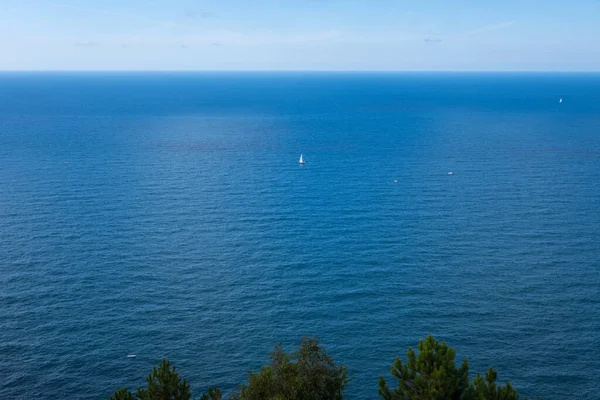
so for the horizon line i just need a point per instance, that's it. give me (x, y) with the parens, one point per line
(293, 70)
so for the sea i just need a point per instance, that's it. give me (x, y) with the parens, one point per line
(166, 215)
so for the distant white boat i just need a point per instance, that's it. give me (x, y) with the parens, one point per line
(301, 160)
(450, 173)
(130, 355)
(560, 101)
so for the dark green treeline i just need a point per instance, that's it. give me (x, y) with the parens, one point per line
(310, 374)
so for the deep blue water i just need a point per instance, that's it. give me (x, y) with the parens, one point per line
(166, 215)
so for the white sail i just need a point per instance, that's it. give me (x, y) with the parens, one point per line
(301, 160)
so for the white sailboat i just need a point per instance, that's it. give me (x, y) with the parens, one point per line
(301, 160)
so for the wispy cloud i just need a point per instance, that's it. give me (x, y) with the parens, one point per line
(202, 14)
(226, 37)
(492, 27)
(87, 43)
(184, 20)
(90, 10)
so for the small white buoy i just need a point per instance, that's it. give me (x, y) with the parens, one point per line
(130, 355)
(395, 180)
(450, 173)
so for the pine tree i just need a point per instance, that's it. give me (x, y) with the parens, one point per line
(306, 374)
(430, 375)
(486, 389)
(214, 393)
(164, 383)
(122, 394)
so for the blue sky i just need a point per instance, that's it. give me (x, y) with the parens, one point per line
(300, 35)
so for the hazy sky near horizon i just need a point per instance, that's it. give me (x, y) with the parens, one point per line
(510, 35)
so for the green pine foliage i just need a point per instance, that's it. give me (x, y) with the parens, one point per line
(430, 375)
(306, 374)
(164, 383)
(310, 374)
(214, 393)
(486, 388)
(122, 394)
(433, 375)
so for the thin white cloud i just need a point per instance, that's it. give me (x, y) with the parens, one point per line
(226, 37)
(87, 43)
(202, 14)
(131, 16)
(492, 27)
(91, 10)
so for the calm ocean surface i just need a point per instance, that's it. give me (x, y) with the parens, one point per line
(166, 215)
